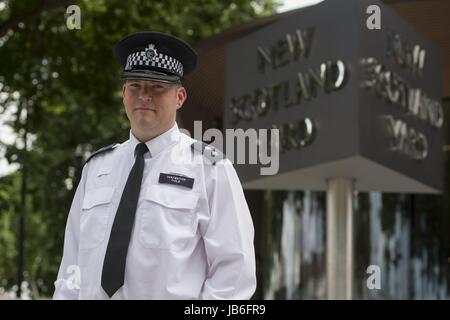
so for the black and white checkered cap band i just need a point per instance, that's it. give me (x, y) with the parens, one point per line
(160, 60)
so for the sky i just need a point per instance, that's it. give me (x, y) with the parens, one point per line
(7, 136)
(294, 4)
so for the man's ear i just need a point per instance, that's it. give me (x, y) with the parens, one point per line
(181, 96)
(123, 89)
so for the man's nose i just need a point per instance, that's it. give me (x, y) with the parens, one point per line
(145, 94)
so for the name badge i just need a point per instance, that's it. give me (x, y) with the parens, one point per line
(176, 179)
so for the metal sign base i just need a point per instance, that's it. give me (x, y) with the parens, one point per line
(340, 238)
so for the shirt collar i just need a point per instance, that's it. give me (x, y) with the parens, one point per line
(159, 143)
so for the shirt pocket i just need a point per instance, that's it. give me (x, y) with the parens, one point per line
(95, 212)
(168, 217)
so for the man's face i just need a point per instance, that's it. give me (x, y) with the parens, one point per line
(151, 105)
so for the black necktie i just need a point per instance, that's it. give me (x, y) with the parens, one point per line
(113, 273)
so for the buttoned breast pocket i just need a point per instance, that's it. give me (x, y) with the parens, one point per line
(168, 217)
(95, 212)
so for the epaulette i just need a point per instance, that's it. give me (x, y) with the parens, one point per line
(208, 151)
(112, 146)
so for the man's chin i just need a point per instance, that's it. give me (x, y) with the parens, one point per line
(147, 125)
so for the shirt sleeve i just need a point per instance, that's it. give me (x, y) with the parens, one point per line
(228, 238)
(67, 285)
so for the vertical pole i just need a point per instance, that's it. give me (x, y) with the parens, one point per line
(21, 236)
(340, 238)
(22, 213)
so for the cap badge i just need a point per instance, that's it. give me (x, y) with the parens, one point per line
(150, 52)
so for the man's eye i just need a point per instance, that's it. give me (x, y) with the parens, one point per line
(135, 85)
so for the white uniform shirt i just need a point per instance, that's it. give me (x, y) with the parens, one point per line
(186, 243)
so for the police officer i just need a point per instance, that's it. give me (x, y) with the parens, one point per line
(160, 216)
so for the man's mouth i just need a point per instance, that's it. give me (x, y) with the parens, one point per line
(144, 109)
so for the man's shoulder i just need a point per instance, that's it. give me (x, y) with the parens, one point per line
(208, 151)
(103, 151)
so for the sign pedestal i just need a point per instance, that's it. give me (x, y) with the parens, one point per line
(340, 238)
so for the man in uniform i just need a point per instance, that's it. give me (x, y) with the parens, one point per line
(160, 216)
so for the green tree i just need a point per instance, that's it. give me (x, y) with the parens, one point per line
(64, 90)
